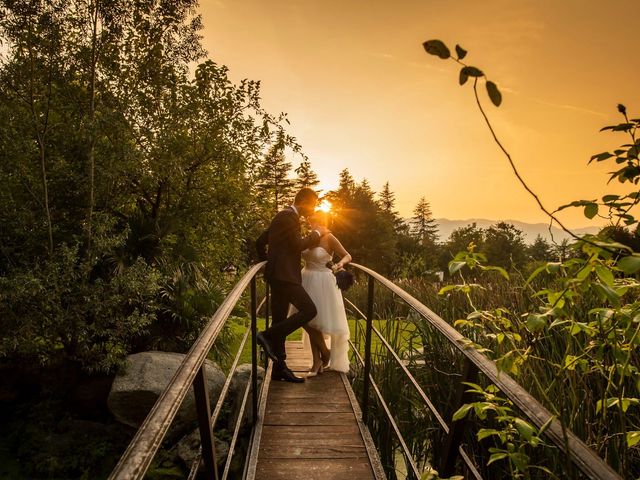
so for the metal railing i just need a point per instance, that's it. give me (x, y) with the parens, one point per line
(584, 458)
(143, 447)
(191, 372)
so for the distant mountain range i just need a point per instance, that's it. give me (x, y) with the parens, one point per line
(530, 230)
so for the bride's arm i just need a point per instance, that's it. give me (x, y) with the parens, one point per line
(339, 250)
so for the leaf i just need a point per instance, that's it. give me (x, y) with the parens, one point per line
(591, 210)
(607, 293)
(462, 412)
(601, 156)
(472, 71)
(525, 429)
(494, 93)
(629, 264)
(536, 323)
(463, 77)
(536, 272)
(570, 362)
(494, 268)
(445, 289)
(633, 438)
(604, 274)
(610, 198)
(486, 432)
(461, 52)
(454, 266)
(496, 456)
(437, 48)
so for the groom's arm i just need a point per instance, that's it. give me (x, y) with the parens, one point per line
(295, 238)
(310, 240)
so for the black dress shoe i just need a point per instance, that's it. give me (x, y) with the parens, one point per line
(266, 346)
(286, 375)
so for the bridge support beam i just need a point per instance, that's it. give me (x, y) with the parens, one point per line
(204, 424)
(367, 352)
(456, 428)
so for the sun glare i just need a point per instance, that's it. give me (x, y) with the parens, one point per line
(325, 206)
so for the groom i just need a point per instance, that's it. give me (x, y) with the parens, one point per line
(283, 274)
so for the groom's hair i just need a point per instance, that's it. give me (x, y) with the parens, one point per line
(305, 195)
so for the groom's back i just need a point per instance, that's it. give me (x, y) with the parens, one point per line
(283, 258)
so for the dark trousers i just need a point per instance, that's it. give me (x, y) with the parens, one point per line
(283, 294)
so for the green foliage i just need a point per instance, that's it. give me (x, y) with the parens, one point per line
(127, 183)
(66, 307)
(575, 336)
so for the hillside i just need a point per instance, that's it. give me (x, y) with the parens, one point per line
(530, 230)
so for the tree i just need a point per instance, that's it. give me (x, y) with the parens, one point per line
(276, 186)
(388, 200)
(359, 222)
(504, 246)
(148, 186)
(540, 250)
(306, 176)
(424, 227)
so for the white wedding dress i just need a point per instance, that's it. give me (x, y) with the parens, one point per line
(320, 283)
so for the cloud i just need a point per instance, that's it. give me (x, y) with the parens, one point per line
(570, 107)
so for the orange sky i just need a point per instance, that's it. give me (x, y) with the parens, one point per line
(361, 92)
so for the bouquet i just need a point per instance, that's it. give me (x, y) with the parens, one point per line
(344, 279)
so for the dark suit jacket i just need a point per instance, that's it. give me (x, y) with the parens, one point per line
(285, 246)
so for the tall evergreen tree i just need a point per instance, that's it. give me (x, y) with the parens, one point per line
(276, 185)
(388, 200)
(306, 176)
(424, 226)
(540, 250)
(347, 185)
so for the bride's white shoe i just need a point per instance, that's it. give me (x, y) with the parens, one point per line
(315, 373)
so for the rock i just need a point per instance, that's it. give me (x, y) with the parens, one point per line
(188, 449)
(134, 392)
(236, 393)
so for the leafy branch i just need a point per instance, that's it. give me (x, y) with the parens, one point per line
(439, 49)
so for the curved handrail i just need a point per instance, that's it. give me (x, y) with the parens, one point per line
(580, 454)
(140, 452)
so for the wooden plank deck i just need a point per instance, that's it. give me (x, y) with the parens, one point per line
(311, 430)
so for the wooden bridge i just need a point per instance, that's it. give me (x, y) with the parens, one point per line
(312, 430)
(319, 429)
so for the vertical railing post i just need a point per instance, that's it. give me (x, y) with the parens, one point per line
(204, 424)
(267, 301)
(254, 352)
(456, 428)
(266, 305)
(367, 352)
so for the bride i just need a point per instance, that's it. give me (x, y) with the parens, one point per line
(320, 283)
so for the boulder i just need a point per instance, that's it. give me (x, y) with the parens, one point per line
(135, 390)
(236, 393)
(188, 449)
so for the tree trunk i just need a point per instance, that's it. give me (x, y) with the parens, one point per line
(92, 137)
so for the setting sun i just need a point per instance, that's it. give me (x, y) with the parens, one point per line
(325, 206)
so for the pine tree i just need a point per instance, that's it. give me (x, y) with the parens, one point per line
(276, 185)
(347, 185)
(424, 226)
(388, 200)
(425, 231)
(306, 176)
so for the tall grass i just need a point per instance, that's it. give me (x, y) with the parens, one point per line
(437, 366)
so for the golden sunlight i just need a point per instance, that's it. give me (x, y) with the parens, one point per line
(325, 206)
